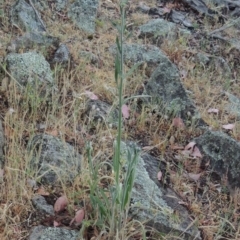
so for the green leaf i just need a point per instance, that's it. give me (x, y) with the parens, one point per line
(132, 69)
(116, 25)
(116, 69)
(119, 48)
(129, 35)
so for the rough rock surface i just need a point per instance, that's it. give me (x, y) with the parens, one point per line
(40, 204)
(33, 39)
(61, 4)
(223, 153)
(24, 17)
(30, 68)
(62, 55)
(156, 206)
(53, 159)
(234, 104)
(141, 54)
(99, 111)
(83, 14)
(136, 53)
(158, 28)
(50, 233)
(169, 95)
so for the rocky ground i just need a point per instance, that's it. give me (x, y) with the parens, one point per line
(58, 95)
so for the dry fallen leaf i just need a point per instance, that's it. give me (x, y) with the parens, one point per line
(41, 191)
(125, 111)
(213, 110)
(147, 148)
(196, 152)
(193, 176)
(53, 132)
(228, 126)
(183, 203)
(60, 204)
(11, 110)
(190, 146)
(186, 153)
(56, 224)
(91, 95)
(178, 122)
(79, 216)
(176, 147)
(159, 176)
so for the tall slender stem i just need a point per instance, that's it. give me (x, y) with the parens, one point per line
(120, 90)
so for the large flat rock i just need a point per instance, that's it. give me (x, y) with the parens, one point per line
(224, 155)
(159, 208)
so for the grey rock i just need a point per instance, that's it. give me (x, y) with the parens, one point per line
(199, 6)
(202, 58)
(62, 55)
(223, 153)
(234, 106)
(169, 96)
(33, 39)
(179, 17)
(101, 112)
(2, 142)
(83, 14)
(158, 28)
(41, 5)
(53, 160)
(150, 10)
(40, 204)
(88, 56)
(235, 43)
(230, 5)
(61, 4)
(136, 53)
(30, 68)
(143, 53)
(154, 205)
(144, 8)
(26, 18)
(49, 233)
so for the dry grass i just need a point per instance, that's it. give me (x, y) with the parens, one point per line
(216, 209)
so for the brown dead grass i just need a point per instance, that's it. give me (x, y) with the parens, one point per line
(216, 210)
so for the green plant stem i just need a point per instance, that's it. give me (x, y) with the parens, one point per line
(120, 89)
(117, 154)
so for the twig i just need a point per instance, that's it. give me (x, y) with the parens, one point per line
(45, 29)
(226, 26)
(220, 37)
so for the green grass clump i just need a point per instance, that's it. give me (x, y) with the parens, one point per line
(112, 204)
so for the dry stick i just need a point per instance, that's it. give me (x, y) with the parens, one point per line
(220, 37)
(226, 26)
(30, 1)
